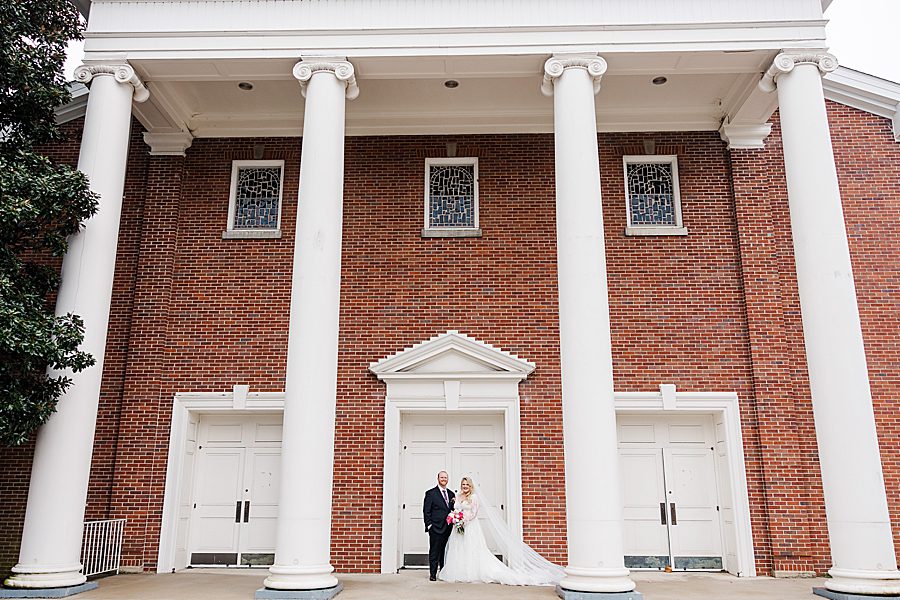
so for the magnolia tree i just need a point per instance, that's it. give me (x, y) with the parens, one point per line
(41, 204)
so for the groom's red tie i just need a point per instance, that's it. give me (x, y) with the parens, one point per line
(444, 494)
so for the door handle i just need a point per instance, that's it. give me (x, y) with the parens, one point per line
(246, 510)
(674, 516)
(662, 513)
(237, 512)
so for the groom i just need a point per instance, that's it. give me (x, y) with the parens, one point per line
(436, 506)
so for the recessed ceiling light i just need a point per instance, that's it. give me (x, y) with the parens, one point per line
(246, 86)
(451, 83)
(659, 80)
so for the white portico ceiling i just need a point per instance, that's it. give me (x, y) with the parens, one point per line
(403, 95)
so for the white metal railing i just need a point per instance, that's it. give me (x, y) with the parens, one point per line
(101, 546)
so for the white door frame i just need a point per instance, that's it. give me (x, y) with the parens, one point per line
(725, 404)
(482, 379)
(184, 405)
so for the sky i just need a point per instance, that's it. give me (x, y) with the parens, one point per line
(862, 34)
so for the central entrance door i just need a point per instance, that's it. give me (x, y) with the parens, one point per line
(235, 491)
(670, 493)
(463, 445)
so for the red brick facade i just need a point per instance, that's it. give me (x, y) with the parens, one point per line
(716, 310)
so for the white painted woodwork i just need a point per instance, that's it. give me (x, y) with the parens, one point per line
(196, 51)
(187, 410)
(410, 15)
(447, 375)
(238, 460)
(51, 540)
(593, 501)
(185, 490)
(859, 527)
(220, 475)
(670, 459)
(640, 415)
(463, 445)
(643, 488)
(302, 554)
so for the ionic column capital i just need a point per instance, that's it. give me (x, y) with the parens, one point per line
(338, 66)
(122, 74)
(555, 66)
(786, 61)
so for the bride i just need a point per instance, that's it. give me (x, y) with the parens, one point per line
(468, 558)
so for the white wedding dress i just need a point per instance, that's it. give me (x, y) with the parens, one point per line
(468, 558)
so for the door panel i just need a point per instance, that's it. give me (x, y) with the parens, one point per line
(420, 468)
(691, 478)
(263, 475)
(646, 536)
(485, 467)
(218, 487)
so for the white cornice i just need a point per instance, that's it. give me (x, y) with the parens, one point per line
(865, 92)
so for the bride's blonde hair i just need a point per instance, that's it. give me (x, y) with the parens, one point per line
(471, 486)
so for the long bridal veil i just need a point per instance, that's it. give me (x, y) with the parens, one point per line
(520, 557)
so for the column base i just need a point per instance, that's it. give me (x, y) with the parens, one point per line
(59, 592)
(831, 595)
(576, 595)
(323, 594)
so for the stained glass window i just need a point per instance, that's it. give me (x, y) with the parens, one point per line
(652, 193)
(257, 197)
(452, 200)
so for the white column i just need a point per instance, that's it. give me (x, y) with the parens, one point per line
(54, 518)
(593, 501)
(302, 552)
(859, 529)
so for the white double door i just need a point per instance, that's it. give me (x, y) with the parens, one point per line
(670, 493)
(235, 491)
(463, 445)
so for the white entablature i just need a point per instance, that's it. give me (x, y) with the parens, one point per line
(193, 54)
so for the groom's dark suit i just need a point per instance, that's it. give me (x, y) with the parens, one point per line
(435, 511)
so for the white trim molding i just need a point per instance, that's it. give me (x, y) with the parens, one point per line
(183, 406)
(865, 92)
(744, 136)
(168, 144)
(450, 372)
(725, 404)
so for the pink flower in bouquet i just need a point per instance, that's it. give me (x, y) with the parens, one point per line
(456, 518)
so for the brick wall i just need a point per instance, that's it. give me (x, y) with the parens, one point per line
(714, 311)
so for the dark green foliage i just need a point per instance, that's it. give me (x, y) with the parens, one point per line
(41, 204)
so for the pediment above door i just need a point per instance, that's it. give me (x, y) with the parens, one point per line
(452, 355)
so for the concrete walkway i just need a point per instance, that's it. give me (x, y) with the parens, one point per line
(210, 584)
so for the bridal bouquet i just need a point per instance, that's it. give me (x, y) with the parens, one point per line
(456, 518)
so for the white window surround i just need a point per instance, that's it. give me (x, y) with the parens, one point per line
(261, 233)
(184, 406)
(724, 405)
(429, 231)
(654, 230)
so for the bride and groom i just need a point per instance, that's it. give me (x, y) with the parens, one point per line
(462, 553)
